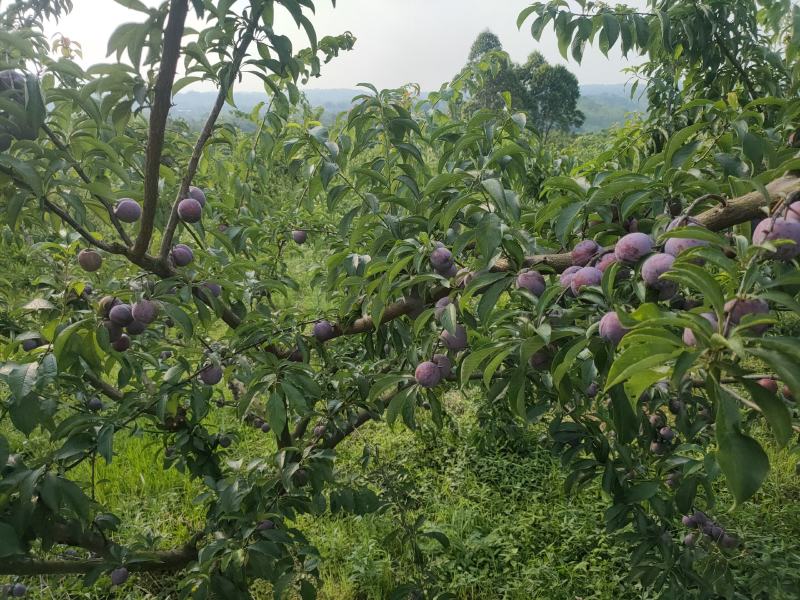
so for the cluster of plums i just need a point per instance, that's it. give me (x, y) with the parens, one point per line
(13, 590)
(128, 210)
(664, 435)
(708, 527)
(122, 321)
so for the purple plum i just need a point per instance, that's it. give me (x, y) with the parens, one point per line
(456, 341)
(197, 194)
(121, 314)
(299, 236)
(633, 247)
(771, 230)
(211, 375)
(90, 260)
(145, 311)
(428, 374)
(531, 280)
(128, 210)
(587, 276)
(182, 255)
(611, 328)
(324, 331)
(688, 335)
(190, 210)
(583, 252)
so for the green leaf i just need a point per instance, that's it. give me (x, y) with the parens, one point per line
(276, 413)
(474, 360)
(741, 458)
(9, 543)
(773, 409)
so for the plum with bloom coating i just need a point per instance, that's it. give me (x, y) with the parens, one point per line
(611, 328)
(739, 308)
(190, 210)
(197, 194)
(688, 335)
(119, 576)
(211, 375)
(18, 590)
(455, 341)
(136, 328)
(122, 344)
(531, 280)
(128, 210)
(90, 260)
(587, 276)
(608, 259)
(144, 311)
(182, 255)
(768, 384)
(444, 363)
(299, 236)
(441, 259)
(566, 277)
(771, 230)
(323, 331)
(440, 306)
(583, 252)
(121, 314)
(654, 267)
(427, 374)
(632, 247)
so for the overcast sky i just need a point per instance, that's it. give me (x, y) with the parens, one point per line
(399, 41)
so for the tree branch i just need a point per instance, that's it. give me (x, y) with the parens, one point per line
(165, 560)
(82, 174)
(173, 33)
(113, 248)
(191, 169)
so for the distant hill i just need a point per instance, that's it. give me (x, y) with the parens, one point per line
(603, 105)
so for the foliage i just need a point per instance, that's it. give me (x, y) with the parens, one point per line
(649, 377)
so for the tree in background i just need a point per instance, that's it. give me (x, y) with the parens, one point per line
(550, 95)
(547, 93)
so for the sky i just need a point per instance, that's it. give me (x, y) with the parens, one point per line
(398, 41)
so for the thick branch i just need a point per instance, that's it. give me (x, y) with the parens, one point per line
(113, 247)
(158, 119)
(167, 560)
(191, 169)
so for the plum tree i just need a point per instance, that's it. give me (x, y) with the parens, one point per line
(90, 260)
(607, 372)
(128, 210)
